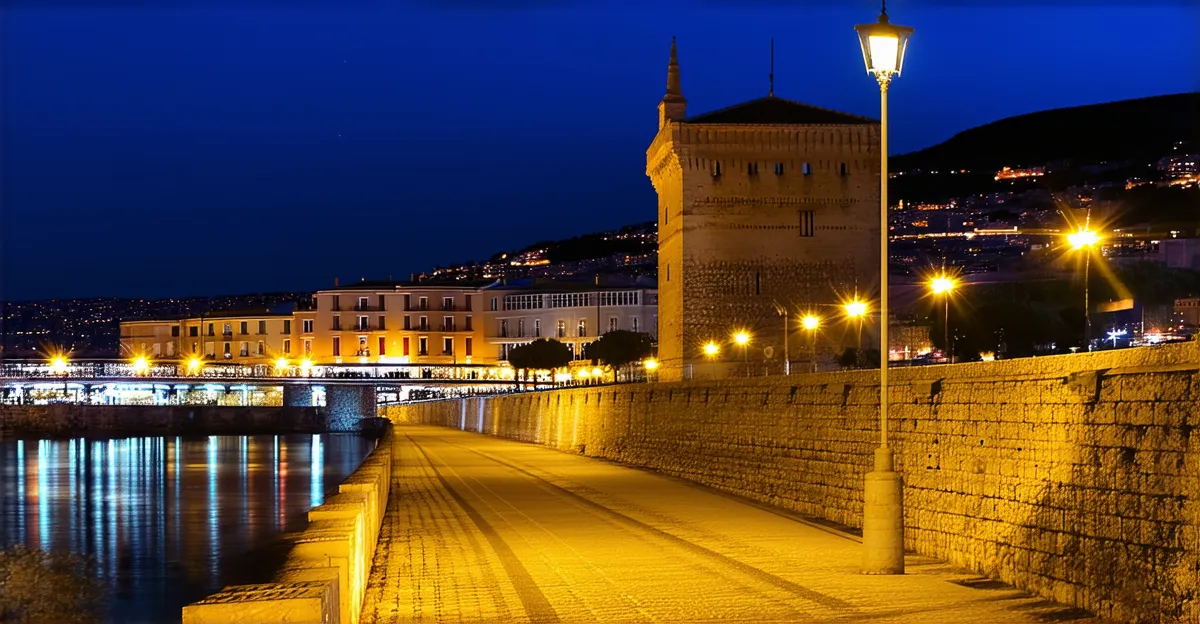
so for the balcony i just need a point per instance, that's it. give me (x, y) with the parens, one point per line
(449, 307)
(422, 353)
(366, 308)
(423, 327)
(417, 308)
(227, 335)
(448, 352)
(448, 327)
(367, 327)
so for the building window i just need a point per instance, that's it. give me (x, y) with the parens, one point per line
(363, 349)
(422, 303)
(562, 329)
(307, 346)
(537, 328)
(407, 322)
(468, 327)
(227, 353)
(778, 169)
(308, 326)
(211, 331)
(337, 303)
(156, 349)
(363, 303)
(467, 307)
(806, 223)
(521, 328)
(447, 346)
(467, 348)
(404, 347)
(422, 346)
(228, 329)
(504, 328)
(382, 346)
(382, 307)
(493, 304)
(668, 272)
(337, 322)
(244, 349)
(195, 347)
(175, 331)
(262, 327)
(716, 169)
(423, 324)
(844, 169)
(752, 169)
(362, 323)
(382, 324)
(287, 326)
(193, 331)
(447, 303)
(337, 346)
(634, 323)
(262, 348)
(244, 326)
(447, 323)
(612, 324)
(287, 346)
(806, 169)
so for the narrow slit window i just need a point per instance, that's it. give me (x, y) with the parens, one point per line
(806, 168)
(806, 223)
(844, 169)
(778, 169)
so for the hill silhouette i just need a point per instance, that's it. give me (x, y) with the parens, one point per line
(1122, 130)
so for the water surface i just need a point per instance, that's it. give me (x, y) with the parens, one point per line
(169, 520)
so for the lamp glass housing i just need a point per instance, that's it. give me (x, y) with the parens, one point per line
(883, 47)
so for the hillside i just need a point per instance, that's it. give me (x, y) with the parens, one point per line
(1122, 130)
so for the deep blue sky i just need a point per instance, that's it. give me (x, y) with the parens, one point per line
(191, 147)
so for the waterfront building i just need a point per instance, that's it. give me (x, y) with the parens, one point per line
(243, 337)
(764, 206)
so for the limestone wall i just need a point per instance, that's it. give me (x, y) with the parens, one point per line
(324, 577)
(1075, 477)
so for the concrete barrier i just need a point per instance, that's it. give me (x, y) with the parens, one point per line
(324, 577)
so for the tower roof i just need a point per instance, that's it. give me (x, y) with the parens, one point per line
(674, 87)
(772, 110)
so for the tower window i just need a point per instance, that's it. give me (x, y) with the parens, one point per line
(844, 169)
(716, 169)
(778, 168)
(806, 223)
(752, 169)
(806, 169)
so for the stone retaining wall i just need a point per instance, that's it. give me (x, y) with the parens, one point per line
(67, 419)
(1075, 477)
(324, 577)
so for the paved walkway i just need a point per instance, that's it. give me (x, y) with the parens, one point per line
(480, 529)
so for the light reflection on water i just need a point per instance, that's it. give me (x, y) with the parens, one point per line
(171, 519)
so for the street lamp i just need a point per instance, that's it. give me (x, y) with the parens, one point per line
(58, 365)
(742, 339)
(811, 323)
(194, 365)
(883, 48)
(281, 366)
(1085, 239)
(942, 286)
(711, 350)
(305, 367)
(141, 365)
(856, 310)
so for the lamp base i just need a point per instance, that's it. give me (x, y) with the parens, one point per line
(883, 518)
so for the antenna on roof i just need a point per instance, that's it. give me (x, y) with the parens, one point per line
(771, 76)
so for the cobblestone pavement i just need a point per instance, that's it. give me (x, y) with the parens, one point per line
(480, 529)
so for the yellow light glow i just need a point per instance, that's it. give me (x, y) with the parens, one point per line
(584, 374)
(884, 49)
(281, 364)
(58, 365)
(810, 322)
(597, 372)
(650, 364)
(141, 365)
(741, 338)
(194, 365)
(855, 309)
(711, 349)
(305, 366)
(942, 284)
(1083, 238)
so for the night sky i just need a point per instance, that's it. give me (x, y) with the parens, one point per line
(212, 148)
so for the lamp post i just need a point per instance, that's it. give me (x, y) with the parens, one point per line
(810, 323)
(883, 47)
(857, 311)
(743, 339)
(1085, 239)
(943, 285)
(711, 350)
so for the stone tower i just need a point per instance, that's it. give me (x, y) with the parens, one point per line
(766, 205)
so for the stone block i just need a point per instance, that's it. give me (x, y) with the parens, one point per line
(303, 602)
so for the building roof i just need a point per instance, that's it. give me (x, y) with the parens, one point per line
(385, 286)
(773, 110)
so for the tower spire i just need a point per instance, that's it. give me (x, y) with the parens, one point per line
(673, 106)
(674, 87)
(771, 76)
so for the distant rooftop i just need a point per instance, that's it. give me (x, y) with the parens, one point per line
(772, 110)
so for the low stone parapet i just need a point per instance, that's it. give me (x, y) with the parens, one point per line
(324, 577)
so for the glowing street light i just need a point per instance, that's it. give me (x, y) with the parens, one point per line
(742, 339)
(281, 365)
(194, 365)
(306, 367)
(943, 285)
(58, 365)
(856, 310)
(883, 48)
(711, 349)
(141, 366)
(810, 323)
(651, 364)
(1085, 239)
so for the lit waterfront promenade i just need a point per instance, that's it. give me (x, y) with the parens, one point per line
(486, 530)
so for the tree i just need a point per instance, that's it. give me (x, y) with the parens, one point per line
(541, 354)
(620, 348)
(38, 587)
